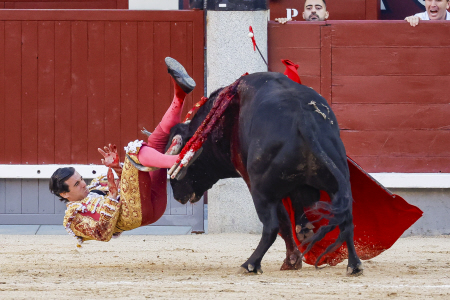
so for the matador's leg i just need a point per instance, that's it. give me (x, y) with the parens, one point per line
(153, 156)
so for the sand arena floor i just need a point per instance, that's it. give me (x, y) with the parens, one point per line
(205, 267)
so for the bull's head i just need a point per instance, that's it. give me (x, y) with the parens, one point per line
(212, 164)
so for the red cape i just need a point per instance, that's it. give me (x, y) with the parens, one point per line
(379, 216)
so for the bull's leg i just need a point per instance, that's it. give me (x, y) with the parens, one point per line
(267, 213)
(293, 259)
(355, 266)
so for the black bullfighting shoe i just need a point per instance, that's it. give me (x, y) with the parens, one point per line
(179, 74)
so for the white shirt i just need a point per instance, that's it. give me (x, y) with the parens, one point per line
(424, 16)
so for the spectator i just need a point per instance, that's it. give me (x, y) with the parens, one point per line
(435, 10)
(314, 10)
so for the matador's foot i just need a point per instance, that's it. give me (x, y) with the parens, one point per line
(179, 74)
(304, 232)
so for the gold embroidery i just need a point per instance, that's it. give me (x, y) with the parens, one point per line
(131, 212)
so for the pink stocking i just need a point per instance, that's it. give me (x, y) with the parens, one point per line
(173, 114)
(150, 157)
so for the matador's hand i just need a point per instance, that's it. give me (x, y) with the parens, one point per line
(112, 184)
(111, 157)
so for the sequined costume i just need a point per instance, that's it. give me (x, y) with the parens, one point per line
(140, 202)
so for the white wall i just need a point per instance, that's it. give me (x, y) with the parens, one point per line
(153, 4)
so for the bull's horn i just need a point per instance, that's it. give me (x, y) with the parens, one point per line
(175, 146)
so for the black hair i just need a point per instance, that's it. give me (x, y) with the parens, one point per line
(58, 185)
(326, 3)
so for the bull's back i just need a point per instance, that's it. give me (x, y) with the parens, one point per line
(286, 128)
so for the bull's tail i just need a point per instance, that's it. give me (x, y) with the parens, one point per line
(339, 212)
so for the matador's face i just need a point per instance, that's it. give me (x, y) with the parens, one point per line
(77, 188)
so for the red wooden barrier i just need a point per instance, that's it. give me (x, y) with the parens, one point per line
(387, 82)
(64, 4)
(73, 81)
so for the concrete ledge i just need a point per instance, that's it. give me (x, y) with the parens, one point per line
(389, 180)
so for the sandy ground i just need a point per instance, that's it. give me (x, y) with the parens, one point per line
(205, 266)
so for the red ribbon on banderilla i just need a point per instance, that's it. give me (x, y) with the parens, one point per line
(196, 141)
(255, 46)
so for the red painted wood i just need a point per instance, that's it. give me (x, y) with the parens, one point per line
(401, 34)
(409, 143)
(63, 93)
(179, 46)
(46, 92)
(390, 61)
(189, 53)
(2, 93)
(122, 4)
(402, 164)
(373, 10)
(198, 59)
(100, 4)
(391, 89)
(392, 117)
(96, 90)
(29, 92)
(66, 4)
(13, 94)
(145, 78)
(79, 102)
(162, 88)
(128, 70)
(104, 15)
(112, 85)
(325, 63)
(79, 67)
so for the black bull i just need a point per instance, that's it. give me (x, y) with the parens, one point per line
(283, 139)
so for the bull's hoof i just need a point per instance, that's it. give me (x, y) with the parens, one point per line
(250, 270)
(293, 263)
(355, 271)
(304, 232)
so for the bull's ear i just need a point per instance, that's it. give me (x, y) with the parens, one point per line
(175, 146)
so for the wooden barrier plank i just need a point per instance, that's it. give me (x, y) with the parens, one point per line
(307, 59)
(63, 93)
(408, 143)
(2, 93)
(296, 35)
(29, 92)
(401, 164)
(392, 117)
(103, 15)
(325, 63)
(100, 4)
(2, 196)
(46, 199)
(391, 89)
(13, 204)
(30, 203)
(13, 92)
(46, 92)
(162, 84)
(178, 41)
(390, 61)
(189, 53)
(128, 70)
(96, 90)
(198, 59)
(112, 85)
(390, 34)
(79, 103)
(347, 9)
(145, 77)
